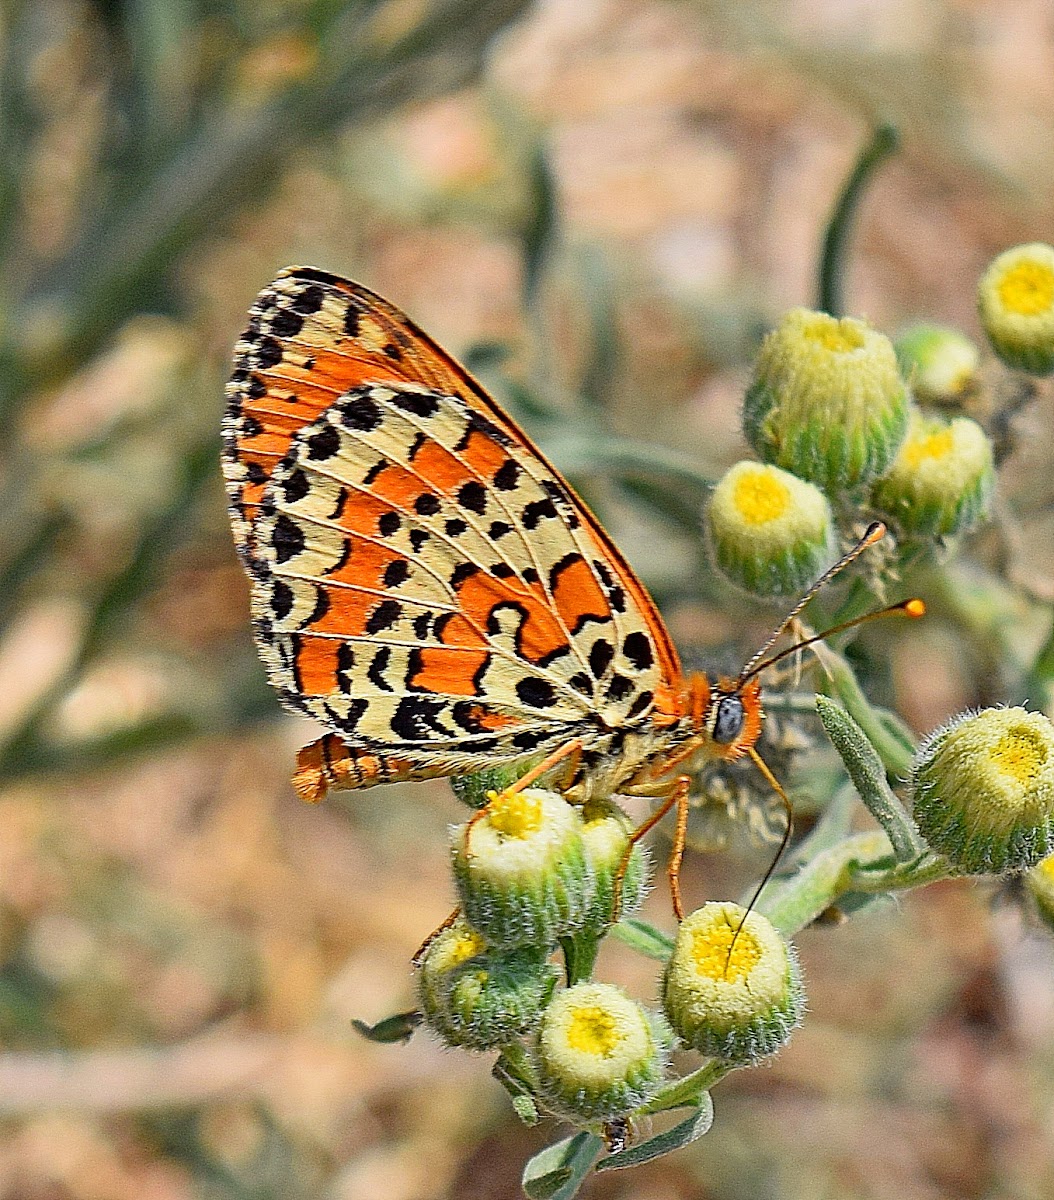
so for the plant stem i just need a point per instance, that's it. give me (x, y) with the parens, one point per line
(883, 142)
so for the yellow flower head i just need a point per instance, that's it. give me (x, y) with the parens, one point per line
(770, 532)
(521, 869)
(479, 998)
(827, 400)
(984, 790)
(942, 479)
(732, 988)
(1015, 299)
(599, 1054)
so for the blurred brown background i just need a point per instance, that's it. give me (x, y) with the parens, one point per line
(182, 945)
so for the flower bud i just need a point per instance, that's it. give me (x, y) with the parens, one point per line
(606, 832)
(983, 787)
(1039, 883)
(479, 998)
(522, 874)
(729, 995)
(599, 1054)
(827, 401)
(770, 532)
(941, 365)
(942, 479)
(1016, 301)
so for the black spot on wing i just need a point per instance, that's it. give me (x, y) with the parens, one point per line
(377, 668)
(384, 616)
(361, 412)
(537, 693)
(637, 648)
(417, 718)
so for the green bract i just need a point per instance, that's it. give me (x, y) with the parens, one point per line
(479, 998)
(941, 365)
(606, 832)
(827, 400)
(984, 790)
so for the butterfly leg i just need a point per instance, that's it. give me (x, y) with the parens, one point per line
(675, 795)
(572, 751)
(425, 946)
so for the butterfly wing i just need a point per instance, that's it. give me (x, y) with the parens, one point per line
(425, 583)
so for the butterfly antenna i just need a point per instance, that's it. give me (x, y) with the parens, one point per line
(874, 533)
(777, 787)
(907, 608)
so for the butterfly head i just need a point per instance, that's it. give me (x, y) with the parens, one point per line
(728, 712)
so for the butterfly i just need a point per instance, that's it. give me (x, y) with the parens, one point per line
(427, 585)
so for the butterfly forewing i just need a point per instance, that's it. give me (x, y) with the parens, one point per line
(424, 582)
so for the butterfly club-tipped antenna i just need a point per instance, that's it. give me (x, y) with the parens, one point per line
(913, 607)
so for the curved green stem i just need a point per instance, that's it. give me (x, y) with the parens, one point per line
(883, 142)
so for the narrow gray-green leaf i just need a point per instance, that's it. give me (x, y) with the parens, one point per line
(557, 1172)
(644, 938)
(869, 778)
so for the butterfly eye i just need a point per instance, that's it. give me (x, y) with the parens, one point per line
(728, 720)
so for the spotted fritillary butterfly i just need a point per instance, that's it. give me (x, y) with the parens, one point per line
(426, 585)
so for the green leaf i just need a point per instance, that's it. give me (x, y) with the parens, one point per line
(397, 1028)
(664, 1143)
(644, 938)
(557, 1172)
(869, 778)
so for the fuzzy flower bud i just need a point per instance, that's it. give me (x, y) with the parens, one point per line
(479, 998)
(1039, 883)
(984, 790)
(606, 832)
(739, 1006)
(770, 532)
(1016, 301)
(940, 364)
(827, 401)
(521, 869)
(942, 479)
(599, 1054)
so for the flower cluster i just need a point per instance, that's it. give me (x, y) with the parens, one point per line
(850, 427)
(536, 876)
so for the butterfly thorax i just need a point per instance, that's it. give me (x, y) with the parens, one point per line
(698, 720)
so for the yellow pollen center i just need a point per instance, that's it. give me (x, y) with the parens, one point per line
(514, 814)
(593, 1031)
(1046, 868)
(467, 946)
(1027, 289)
(1020, 754)
(938, 444)
(760, 497)
(840, 337)
(710, 952)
